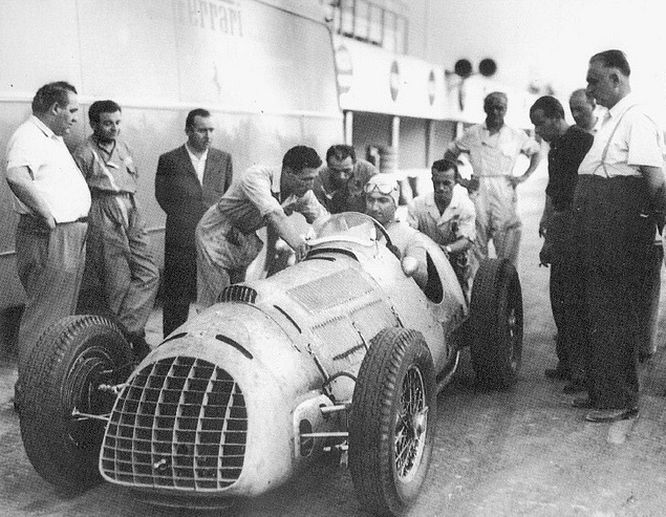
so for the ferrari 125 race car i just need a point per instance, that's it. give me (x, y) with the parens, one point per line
(343, 351)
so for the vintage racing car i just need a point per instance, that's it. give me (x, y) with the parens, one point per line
(343, 351)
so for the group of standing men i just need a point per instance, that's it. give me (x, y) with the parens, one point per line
(606, 202)
(79, 217)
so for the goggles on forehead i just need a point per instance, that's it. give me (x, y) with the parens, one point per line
(385, 189)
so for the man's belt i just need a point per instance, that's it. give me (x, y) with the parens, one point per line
(98, 193)
(32, 221)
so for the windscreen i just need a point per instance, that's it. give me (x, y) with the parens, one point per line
(348, 226)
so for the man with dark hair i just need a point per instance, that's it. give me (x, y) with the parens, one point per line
(53, 202)
(583, 110)
(226, 236)
(189, 180)
(119, 255)
(493, 149)
(339, 185)
(447, 216)
(618, 206)
(568, 146)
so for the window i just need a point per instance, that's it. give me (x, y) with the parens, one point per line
(367, 21)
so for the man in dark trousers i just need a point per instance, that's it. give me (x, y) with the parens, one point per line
(189, 180)
(568, 146)
(618, 205)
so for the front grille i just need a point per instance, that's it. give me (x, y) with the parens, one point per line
(181, 424)
(238, 293)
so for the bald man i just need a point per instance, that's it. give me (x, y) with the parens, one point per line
(493, 149)
(583, 110)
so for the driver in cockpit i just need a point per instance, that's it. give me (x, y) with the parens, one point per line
(381, 203)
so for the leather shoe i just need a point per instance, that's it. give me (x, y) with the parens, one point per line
(582, 402)
(557, 373)
(611, 415)
(574, 387)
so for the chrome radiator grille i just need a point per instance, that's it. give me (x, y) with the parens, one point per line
(181, 424)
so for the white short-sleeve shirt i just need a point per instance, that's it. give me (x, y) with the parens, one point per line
(637, 141)
(424, 215)
(54, 172)
(496, 154)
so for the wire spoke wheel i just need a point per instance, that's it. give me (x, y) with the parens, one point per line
(411, 425)
(392, 421)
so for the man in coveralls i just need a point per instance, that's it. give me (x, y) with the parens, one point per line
(118, 251)
(493, 149)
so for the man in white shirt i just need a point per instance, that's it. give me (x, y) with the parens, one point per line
(53, 201)
(189, 180)
(447, 216)
(618, 204)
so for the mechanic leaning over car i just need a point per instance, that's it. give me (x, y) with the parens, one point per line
(447, 216)
(118, 248)
(226, 238)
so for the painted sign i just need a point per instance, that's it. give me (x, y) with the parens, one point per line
(375, 80)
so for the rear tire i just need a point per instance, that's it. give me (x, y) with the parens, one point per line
(392, 422)
(70, 360)
(496, 324)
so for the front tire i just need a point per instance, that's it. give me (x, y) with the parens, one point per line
(496, 324)
(392, 421)
(68, 364)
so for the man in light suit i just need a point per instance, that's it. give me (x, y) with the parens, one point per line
(189, 179)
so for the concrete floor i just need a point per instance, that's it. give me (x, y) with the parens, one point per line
(522, 452)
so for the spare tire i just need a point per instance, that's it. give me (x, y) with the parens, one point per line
(63, 374)
(496, 323)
